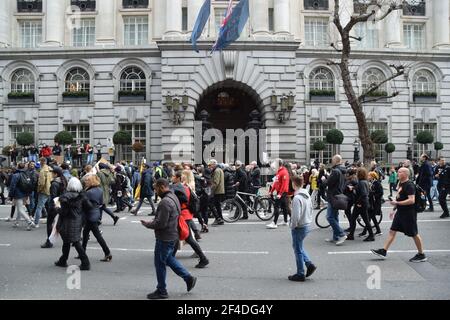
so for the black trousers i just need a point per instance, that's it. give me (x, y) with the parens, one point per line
(203, 213)
(360, 211)
(283, 204)
(194, 245)
(217, 202)
(81, 253)
(2, 196)
(108, 211)
(373, 216)
(93, 226)
(141, 201)
(443, 193)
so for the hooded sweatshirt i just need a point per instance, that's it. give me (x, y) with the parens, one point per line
(302, 208)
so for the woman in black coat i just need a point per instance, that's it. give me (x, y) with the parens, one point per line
(361, 205)
(73, 203)
(375, 196)
(95, 195)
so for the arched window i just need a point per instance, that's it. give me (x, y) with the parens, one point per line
(372, 77)
(132, 79)
(424, 81)
(77, 80)
(22, 80)
(321, 79)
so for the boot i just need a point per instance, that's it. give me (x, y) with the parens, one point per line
(197, 235)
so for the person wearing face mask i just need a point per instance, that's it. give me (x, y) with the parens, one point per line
(281, 187)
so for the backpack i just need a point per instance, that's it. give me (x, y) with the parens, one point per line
(420, 199)
(194, 203)
(183, 228)
(25, 183)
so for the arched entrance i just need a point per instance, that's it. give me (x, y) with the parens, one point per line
(231, 105)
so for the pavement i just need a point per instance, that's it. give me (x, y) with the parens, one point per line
(247, 261)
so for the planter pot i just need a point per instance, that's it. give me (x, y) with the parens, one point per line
(21, 100)
(322, 98)
(75, 99)
(131, 98)
(425, 99)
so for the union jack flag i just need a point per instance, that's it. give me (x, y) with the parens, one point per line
(224, 22)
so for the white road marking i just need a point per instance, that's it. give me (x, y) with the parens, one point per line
(390, 251)
(188, 251)
(123, 218)
(5, 244)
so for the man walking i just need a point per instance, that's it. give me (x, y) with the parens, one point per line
(281, 187)
(255, 177)
(43, 189)
(335, 186)
(217, 190)
(146, 190)
(165, 225)
(425, 178)
(405, 219)
(442, 173)
(241, 180)
(19, 194)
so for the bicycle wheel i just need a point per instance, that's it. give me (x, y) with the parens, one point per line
(321, 218)
(264, 209)
(231, 210)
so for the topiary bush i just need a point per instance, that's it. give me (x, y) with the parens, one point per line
(319, 145)
(137, 147)
(25, 138)
(389, 147)
(122, 138)
(335, 136)
(379, 136)
(424, 137)
(64, 137)
(438, 146)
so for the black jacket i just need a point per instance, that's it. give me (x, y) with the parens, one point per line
(230, 190)
(362, 193)
(255, 177)
(425, 178)
(165, 223)
(444, 176)
(56, 190)
(375, 196)
(71, 216)
(241, 177)
(147, 184)
(336, 181)
(95, 196)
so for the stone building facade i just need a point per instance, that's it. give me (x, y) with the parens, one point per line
(95, 67)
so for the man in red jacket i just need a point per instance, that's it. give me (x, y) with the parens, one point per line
(281, 186)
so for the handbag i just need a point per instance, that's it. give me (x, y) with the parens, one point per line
(339, 202)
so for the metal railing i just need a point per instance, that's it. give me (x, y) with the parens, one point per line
(84, 5)
(316, 5)
(135, 4)
(29, 6)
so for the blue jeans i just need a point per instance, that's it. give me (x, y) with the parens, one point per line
(434, 193)
(333, 219)
(90, 158)
(32, 201)
(42, 199)
(301, 256)
(163, 258)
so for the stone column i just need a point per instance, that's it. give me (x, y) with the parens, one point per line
(5, 14)
(281, 16)
(173, 18)
(193, 10)
(159, 18)
(441, 24)
(55, 23)
(260, 17)
(393, 30)
(105, 23)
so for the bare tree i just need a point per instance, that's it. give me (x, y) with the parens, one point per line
(356, 102)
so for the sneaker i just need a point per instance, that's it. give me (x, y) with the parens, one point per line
(36, 226)
(330, 240)
(30, 226)
(116, 218)
(443, 216)
(217, 222)
(190, 283)
(380, 253)
(377, 234)
(282, 223)
(341, 240)
(297, 278)
(202, 264)
(85, 267)
(271, 226)
(310, 270)
(157, 295)
(420, 257)
(47, 245)
(61, 264)
(15, 225)
(369, 238)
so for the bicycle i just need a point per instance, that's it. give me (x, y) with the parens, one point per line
(262, 206)
(322, 222)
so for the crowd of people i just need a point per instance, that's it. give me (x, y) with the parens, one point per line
(73, 202)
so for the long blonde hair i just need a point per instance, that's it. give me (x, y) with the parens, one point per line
(188, 179)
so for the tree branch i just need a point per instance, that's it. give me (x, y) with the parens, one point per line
(335, 47)
(374, 88)
(356, 38)
(337, 18)
(383, 97)
(364, 17)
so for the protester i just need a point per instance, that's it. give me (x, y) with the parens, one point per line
(217, 190)
(43, 189)
(425, 178)
(146, 191)
(281, 187)
(442, 173)
(20, 195)
(165, 225)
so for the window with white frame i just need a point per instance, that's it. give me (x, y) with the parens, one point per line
(132, 79)
(424, 81)
(14, 130)
(30, 33)
(369, 35)
(419, 149)
(373, 77)
(321, 79)
(22, 80)
(318, 132)
(138, 134)
(135, 30)
(84, 35)
(77, 80)
(414, 35)
(316, 32)
(380, 154)
(80, 133)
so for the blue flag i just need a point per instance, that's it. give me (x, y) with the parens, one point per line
(233, 27)
(202, 18)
